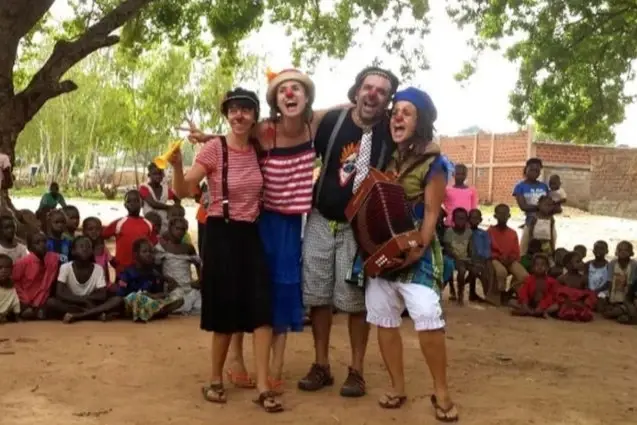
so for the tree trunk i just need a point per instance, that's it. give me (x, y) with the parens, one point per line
(17, 18)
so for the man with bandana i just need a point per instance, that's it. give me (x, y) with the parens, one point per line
(349, 142)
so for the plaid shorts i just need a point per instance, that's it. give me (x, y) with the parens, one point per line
(328, 252)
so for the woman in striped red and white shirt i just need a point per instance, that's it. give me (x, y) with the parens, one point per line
(236, 290)
(287, 163)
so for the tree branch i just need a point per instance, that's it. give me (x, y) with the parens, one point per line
(17, 17)
(45, 83)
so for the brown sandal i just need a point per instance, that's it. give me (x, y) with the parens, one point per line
(391, 401)
(214, 393)
(450, 414)
(267, 400)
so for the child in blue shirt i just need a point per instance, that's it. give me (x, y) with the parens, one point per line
(480, 257)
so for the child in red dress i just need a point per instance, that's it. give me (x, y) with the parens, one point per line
(536, 296)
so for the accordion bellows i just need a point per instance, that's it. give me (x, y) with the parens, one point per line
(383, 226)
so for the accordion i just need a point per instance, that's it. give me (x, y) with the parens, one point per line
(383, 225)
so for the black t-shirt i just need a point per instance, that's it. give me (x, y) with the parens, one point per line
(336, 191)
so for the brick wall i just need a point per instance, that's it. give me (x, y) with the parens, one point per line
(613, 182)
(598, 179)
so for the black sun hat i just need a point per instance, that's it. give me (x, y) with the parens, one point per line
(242, 96)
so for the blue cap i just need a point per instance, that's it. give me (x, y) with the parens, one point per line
(420, 99)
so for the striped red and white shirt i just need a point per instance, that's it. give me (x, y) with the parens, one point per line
(287, 179)
(245, 181)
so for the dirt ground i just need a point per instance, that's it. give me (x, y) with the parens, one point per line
(502, 370)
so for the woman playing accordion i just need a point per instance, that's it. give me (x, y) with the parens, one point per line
(422, 172)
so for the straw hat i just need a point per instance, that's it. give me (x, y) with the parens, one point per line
(275, 79)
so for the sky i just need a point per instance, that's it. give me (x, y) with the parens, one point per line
(482, 101)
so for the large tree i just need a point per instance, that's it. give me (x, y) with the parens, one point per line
(317, 28)
(575, 59)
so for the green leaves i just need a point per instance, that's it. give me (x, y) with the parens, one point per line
(575, 59)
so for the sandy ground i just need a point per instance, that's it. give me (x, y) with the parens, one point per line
(502, 370)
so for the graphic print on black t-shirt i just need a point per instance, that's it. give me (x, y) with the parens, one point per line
(336, 189)
(348, 156)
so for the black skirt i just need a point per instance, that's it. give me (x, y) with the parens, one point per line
(235, 287)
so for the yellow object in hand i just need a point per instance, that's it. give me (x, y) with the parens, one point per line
(162, 161)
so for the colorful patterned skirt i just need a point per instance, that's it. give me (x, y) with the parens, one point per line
(141, 307)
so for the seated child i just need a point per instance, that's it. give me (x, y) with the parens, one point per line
(557, 194)
(180, 212)
(33, 276)
(127, 230)
(582, 251)
(542, 225)
(8, 243)
(72, 220)
(155, 220)
(144, 288)
(480, 257)
(622, 272)
(596, 270)
(573, 278)
(81, 288)
(9, 302)
(558, 269)
(42, 215)
(535, 247)
(505, 256)
(52, 198)
(456, 244)
(576, 302)
(176, 258)
(58, 241)
(92, 229)
(536, 296)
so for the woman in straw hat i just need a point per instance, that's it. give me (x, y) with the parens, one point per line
(236, 291)
(417, 164)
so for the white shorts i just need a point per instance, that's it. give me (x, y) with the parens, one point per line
(386, 301)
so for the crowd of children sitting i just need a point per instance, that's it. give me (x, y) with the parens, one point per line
(544, 280)
(64, 272)
(67, 272)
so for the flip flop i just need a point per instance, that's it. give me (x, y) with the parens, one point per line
(390, 401)
(442, 415)
(277, 386)
(240, 380)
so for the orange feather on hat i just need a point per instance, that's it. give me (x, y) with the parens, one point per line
(270, 75)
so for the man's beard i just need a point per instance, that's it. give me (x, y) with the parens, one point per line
(368, 120)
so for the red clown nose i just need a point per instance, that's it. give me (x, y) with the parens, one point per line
(288, 92)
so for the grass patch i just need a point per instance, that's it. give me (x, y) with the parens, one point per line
(39, 190)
